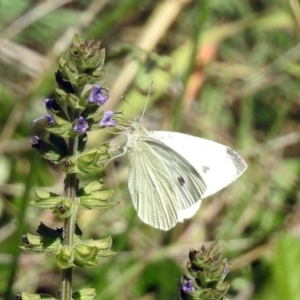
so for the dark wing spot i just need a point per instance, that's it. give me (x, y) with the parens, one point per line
(181, 180)
(238, 162)
(205, 169)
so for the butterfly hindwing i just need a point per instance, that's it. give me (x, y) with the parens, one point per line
(151, 188)
(188, 184)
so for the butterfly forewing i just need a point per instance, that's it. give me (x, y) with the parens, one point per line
(218, 165)
(150, 186)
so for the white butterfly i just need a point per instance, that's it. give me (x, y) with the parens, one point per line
(170, 172)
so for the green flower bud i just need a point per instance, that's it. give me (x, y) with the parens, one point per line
(64, 208)
(208, 269)
(85, 255)
(93, 160)
(65, 257)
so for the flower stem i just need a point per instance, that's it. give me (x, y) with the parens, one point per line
(69, 224)
(66, 284)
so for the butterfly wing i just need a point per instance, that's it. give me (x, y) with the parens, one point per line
(217, 165)
(151, 188)
(189, 186)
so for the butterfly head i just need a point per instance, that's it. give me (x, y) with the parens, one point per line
(134, 133)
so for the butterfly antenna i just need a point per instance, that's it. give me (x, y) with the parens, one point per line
(147, 101)
(123, 98)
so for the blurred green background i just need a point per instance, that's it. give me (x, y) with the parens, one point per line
(223, 70)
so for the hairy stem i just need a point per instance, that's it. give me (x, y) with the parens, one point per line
(69, 224)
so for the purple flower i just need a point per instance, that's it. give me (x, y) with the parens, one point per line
(226, 269)
(98, 95)
(107, 120)
(186, 284)
(49, 104)
(34, 140)
(81, 126)
(50, 120)
(48, 117)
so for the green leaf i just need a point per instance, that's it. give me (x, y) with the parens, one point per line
(48, 151)
(286, 271)
(34, 240)
(62, 130)
(46, 199)
(106, 253)
(100, 244)
(27, 296)
(60, 93)
(91, 187)
(48, 241)
(92, 111)
(73, 101)
(93, 160)
(42, 194)
(60, 121)
(62, 126)
(97, 200)
(85, 294)
(48, 244)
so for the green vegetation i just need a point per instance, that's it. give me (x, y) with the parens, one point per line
(223, 70)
